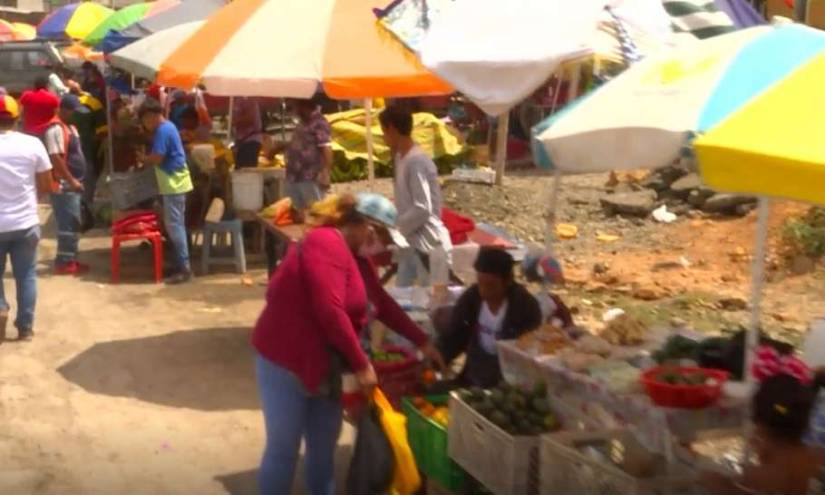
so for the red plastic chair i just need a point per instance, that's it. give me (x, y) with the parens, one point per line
(137, 227)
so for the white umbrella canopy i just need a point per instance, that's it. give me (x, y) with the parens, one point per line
(498, 52)
(143, 57)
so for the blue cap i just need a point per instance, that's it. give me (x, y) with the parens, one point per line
(72, 103)
(378, 208)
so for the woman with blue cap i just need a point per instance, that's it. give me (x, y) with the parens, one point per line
(319, 301)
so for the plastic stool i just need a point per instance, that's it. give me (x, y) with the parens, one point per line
(152, 236)
(233, 227)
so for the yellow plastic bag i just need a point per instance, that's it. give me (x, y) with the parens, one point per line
(405, 480)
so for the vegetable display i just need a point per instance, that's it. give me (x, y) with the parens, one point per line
(515, 411)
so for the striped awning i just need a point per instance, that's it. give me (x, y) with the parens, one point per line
(701, 18)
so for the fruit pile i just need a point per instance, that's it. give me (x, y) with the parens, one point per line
(515, 411)
(439, 414)
(387, 357)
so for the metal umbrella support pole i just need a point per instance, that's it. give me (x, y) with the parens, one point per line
(369, 140)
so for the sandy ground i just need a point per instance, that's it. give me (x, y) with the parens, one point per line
(135, 388)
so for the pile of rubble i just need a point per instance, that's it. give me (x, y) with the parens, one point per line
(678, 188)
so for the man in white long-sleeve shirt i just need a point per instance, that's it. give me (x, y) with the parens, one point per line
(417, 197)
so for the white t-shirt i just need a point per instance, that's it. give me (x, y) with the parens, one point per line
(21, 158)
(489, 326)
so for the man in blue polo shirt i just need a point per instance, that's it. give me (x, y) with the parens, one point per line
(169, 159)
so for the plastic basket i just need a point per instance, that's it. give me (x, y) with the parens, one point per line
(247, 190)
(400, 378)
(428, 441)
(684, 396)
(518, 367)
(131, 188)
(503, 463)
(566, 468)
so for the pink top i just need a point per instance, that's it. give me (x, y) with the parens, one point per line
(317, 300)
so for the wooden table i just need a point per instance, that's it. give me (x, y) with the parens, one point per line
(277, 238)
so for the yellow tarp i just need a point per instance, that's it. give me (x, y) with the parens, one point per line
(349, 136)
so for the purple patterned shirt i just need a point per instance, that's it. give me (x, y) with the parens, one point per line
(303, 154)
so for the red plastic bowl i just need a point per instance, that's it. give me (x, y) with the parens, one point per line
(684, 396)
(399, 378)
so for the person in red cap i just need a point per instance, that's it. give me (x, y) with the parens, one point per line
(39, 107)
(25, 173)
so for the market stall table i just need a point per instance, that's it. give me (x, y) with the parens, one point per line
(278, 234)
(655, 426)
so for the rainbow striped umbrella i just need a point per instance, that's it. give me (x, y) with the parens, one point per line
(336, 43)
(10, 32)
(74, 21)
(25, 31)
(127, 16)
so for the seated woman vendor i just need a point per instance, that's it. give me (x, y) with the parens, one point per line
(495, 308)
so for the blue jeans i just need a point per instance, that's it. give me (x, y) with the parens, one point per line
(290, 415)
(303, 194)
(174, 218)
(66, 207)
(21, 247)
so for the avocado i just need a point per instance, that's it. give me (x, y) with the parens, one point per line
(550, 423)
(540, 390)
(517, 400)
(497, 397)
(484, 407)
(541, 406)
(477, 393)
(500, 419)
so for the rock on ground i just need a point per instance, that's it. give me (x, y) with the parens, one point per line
(726, 203)
(639, 203)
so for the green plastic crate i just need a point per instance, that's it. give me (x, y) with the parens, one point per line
(428, 441)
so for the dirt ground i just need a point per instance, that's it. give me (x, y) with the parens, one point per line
(135, 388)
(143, 389)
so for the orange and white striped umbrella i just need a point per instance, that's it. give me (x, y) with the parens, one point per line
(286, 48)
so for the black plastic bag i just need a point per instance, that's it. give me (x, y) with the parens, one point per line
(371, 468)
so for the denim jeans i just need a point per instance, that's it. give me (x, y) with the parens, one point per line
(174, 218)
(303, 194)
(66, 207)
(290, 415)
(21, 247)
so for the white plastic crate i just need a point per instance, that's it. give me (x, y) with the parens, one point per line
(518, 367)
(567, 468)
(247, 190)
(503, 463)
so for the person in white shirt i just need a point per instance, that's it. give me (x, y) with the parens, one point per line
(417, 197)
(25, 174)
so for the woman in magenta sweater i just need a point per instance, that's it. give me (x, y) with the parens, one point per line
(317, 304)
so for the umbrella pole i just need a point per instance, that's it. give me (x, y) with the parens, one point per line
(552, 212)
(501, 146)
(369, 139)
(110, 155)
(757, 286)
(229, 119)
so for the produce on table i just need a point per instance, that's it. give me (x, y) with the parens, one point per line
(516, 411)
(617, 376)
(439, 414)
(387, 357)
(677, 348)
(624, 330)
(590, 344)
(546, 340)
(676, 377)
(578, 361)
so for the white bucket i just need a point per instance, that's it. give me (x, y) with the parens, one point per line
(247, 191)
